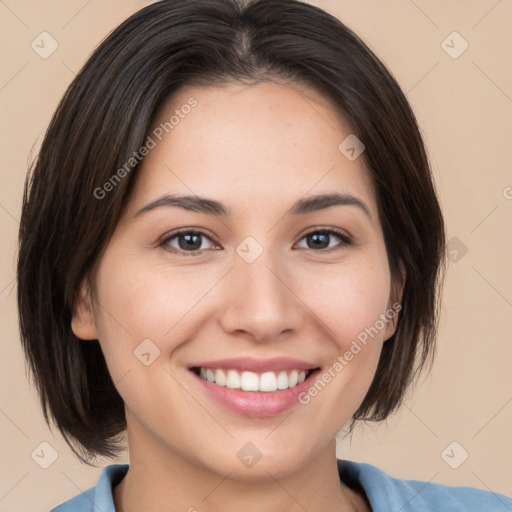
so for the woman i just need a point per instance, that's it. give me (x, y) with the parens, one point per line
(231, 247)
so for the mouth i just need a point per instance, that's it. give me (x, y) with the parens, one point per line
(266, 382)
(252, 388)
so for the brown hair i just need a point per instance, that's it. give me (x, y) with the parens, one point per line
(103, 120)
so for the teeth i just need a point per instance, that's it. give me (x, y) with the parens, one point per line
(233, 379)
(282, 380)
(250, 381)
(268, 382)
(220, 377)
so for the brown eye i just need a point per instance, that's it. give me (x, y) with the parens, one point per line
(321, 238)
(186, 241)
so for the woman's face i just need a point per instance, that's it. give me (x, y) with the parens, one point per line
(260, 282)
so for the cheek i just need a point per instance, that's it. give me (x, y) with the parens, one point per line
(349, 298)
(144, 315)
(147, 301)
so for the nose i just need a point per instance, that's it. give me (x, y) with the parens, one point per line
(259, 300)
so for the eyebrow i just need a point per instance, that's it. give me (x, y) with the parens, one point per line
(212, 207)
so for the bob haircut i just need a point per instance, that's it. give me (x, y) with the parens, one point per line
(103, 120)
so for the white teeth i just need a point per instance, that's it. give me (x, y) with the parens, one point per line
(282, 381)
(220, 377)
(268, 382)
(233, 379)
(251, 381)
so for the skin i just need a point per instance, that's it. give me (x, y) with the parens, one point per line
(257, 149)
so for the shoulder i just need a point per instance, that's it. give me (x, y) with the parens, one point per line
(80, 503)
(99, 497)
(384, 491)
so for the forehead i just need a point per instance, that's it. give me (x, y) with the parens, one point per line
(264, 141)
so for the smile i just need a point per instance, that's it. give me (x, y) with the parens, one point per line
(254, 388)
(251, 381)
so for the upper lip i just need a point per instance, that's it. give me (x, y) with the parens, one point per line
(257, 365)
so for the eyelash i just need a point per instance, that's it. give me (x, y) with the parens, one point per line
(346, 240)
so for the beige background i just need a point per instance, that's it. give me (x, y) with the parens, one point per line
(464, 106)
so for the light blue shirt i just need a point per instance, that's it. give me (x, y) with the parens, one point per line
(385, 493)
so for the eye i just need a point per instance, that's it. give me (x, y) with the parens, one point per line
(188, 241)
(320, 237)
(191, 241)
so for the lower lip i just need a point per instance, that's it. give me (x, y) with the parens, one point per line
(256, 404)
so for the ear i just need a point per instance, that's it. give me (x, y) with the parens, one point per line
(83, 323)
(395, 302)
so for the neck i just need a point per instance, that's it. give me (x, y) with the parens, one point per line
(160, 479)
